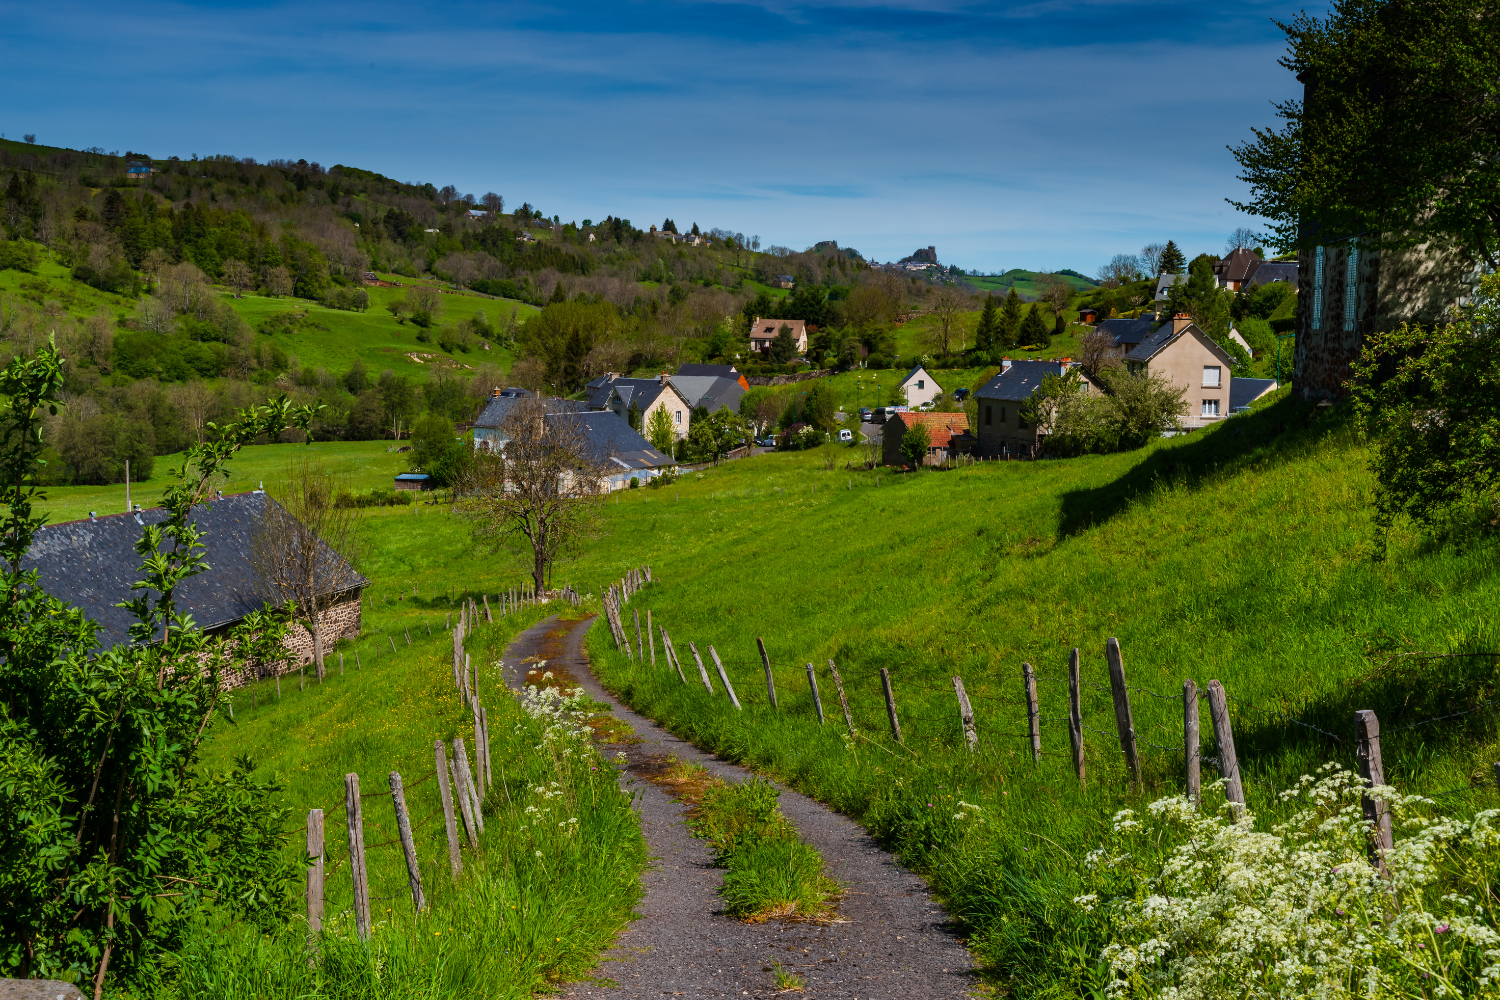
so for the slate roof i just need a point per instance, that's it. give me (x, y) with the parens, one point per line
(1275, 270)
(1244, 391)
(499, 406)
(608, 434)
(1150, 346)
(1165, 281)
(640, 391)
(913, 372)
(91, 564)
(1129, 332)
(1018, 383)
(712, 392)
(718, 371)
(1240, 265)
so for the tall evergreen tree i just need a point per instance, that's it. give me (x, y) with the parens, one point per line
(1172, 259)
(986, 335)
(1033, 330)
(1010, 320)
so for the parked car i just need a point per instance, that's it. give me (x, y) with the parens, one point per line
(959, 395)
(769, 441)
(845, 434)
(864, 414)
(881, 414)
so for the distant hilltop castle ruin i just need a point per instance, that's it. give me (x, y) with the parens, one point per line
(920, 260)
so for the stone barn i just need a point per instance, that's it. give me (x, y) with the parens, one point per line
(92, 563)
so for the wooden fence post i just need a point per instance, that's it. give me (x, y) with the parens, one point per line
(701, 668)
(484, 749)
(890, 703)
(1229, 764)
(314, 870)
(393, 643)
(489, 619)
(455, 859)
(838, 684)
(812, 682)
(640, 646)
(770, 681)
(1075, 717)
(1372, 769)
(356, 661)
(1033, 713)
(465, 803)
(479, 783)
(408, 634)
(356, 826)
(671, 653)
(965, 713)
(724, 677)
(1124, 722)
(466, 775)
(341, 664)
(1191, 741)
(650, 637)
(408, 846)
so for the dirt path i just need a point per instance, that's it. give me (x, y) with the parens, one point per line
(895, 942)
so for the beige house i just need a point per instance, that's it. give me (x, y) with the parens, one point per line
(763, 331)
(623, 395)
(921, 388)
(1002, 429)
(1187, 357)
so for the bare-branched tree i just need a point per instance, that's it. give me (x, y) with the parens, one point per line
(1241, 239)
(237, 275)
(1097, 352)
(1056, 291)
(1122, 269)
(303, 549)
(1151, 259)
(948, 307)
(539, 498)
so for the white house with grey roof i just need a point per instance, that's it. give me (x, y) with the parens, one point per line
(621, 395)
(612, 439)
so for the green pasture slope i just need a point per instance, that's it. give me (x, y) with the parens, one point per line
(1244, 553)
(535, 905)
(1023, 281)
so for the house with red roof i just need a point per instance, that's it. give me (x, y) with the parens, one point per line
(948, 435)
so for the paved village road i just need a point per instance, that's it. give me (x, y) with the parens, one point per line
(894, 941)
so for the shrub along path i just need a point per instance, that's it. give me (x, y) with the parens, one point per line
(893, 940)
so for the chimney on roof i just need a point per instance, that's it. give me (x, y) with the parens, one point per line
(611, 376)
(1005, 364)
(496, 393)
(1181, 322)
(1067, 361)
(664, 377)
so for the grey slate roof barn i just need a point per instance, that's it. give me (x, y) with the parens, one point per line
(91, 564)
(611, 438)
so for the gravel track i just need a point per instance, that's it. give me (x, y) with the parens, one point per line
(894, 941)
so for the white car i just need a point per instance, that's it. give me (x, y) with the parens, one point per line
(846, 435)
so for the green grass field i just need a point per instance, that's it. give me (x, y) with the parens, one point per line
(1245, 553)
(1023, 281)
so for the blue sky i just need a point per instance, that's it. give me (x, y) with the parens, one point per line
(1043, 135)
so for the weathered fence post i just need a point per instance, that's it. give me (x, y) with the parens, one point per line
(408, 634)
(356, 661)
(465, 802)
(701, 668)
(356, 826)
(965, 713)
(812, 682)
(393, 643)
(489, 619)
(671, 653)
(341, 664)
(838, 684)
(650, 637)
(1229, 764)
(640, 646)
(455, 859)
(724, 678)
(1372, 769)
(408, 846)
(484, 750)
(479, 782)
(770, 680)
(1191, 756)
(1033, 713)
(1124, 722)
(314, 870)
(1075, 717)
(466, 775)
(890, 703)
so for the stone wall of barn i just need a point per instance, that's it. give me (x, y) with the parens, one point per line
(342, 620)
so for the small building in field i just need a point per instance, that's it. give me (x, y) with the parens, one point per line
(138, 171)
(948, 435)
(1088, 315)
(764, 331)
(921, 388)
(785, 281)
(414, 481)
(92, 563)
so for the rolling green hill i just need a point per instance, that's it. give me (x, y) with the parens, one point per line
(1025, 283)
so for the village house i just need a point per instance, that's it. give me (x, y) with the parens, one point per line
(921, 388)
(1003, 430)
(712, 392)
(948, 435)
(607, 435)
(138, 171)
(92, 563)
(763, 331)
(716, 371)
(1188, 358)
(644, 396)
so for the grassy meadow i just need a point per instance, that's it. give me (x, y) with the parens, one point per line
(1245, 553)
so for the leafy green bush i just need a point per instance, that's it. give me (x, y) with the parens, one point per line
(17, 255)
(375, 498)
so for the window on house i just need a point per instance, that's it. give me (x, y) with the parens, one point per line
(1020, 420)
(921, 384)
(1319, 256)
(1211, 375)
(679, 416)
(1002, 414)
(987, 415)
(1210, 407)
(1351, 286)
